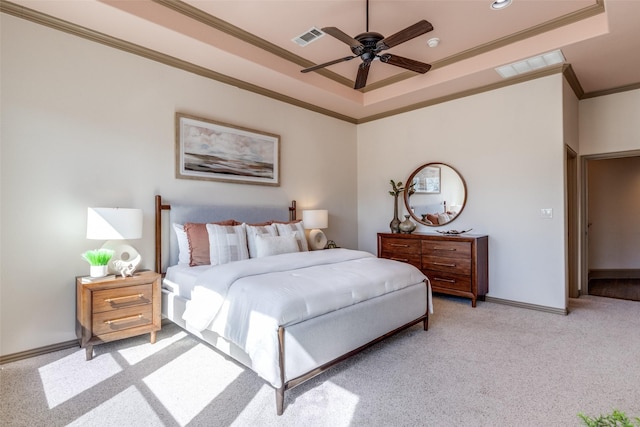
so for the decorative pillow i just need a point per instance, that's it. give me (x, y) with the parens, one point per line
(443, 218)
(433, 218)
(227, 243)
(198, 239)
(275, 245)
(253, 231)
(184, 255)
(287, 228)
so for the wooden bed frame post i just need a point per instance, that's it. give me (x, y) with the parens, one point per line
(283, 386)
(159, 208)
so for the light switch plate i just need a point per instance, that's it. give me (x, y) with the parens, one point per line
(546, 213)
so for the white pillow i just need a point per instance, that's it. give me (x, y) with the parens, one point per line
(256, 230)
(275, 245)
(184, 255)
(227, 243)
(296, 228)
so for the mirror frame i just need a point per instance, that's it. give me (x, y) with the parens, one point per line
(407, 205)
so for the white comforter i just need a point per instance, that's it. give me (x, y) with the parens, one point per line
(246, 301)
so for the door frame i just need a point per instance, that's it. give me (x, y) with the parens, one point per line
(584, 214)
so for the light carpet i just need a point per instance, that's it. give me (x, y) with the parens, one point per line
(494, 365)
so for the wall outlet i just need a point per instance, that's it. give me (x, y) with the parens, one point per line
(546, 213)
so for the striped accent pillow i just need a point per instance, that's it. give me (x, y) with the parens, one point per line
(295, 227)
(227, 243)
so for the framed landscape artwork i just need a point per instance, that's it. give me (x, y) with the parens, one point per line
(210, 150)
(428, 180)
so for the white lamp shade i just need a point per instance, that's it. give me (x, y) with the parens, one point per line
(317, 218)
(114, 223)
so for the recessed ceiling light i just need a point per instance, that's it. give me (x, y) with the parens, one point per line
(531, 64)
(500, 4)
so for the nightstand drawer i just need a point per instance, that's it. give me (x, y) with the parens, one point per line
(118, 320)
(118, 298)
(447, 249)
(449, 265)
(448, 281)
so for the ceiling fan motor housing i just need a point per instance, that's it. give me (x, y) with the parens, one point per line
(369, 40)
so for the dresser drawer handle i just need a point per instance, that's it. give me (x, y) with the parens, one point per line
(440, 279)
(398, 245)
(444, 264)
(125, 297)
(399, 259)
(123, 319)
(435, 248)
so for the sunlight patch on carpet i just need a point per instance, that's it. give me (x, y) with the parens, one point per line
(127, 408)
(71, 375)
(140, 352)
(183, 398)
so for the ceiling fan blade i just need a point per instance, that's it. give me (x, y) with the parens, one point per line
(407, 34)
(326, 64)
(356, 46)
(409, 64)
(363, 72)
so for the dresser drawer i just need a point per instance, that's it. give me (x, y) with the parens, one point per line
(442, 280)
(124, 318)
(400, 246)
(118, 298)
(447, 249)
(451, 265)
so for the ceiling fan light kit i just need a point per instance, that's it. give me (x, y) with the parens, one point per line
(368, 46)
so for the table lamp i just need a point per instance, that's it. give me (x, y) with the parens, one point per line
(314, 220)
(116, 225)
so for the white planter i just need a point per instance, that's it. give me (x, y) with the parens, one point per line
(98, 270)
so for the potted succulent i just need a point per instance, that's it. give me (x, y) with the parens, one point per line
(98, 260)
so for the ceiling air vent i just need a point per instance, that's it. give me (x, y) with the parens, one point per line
(310, 36)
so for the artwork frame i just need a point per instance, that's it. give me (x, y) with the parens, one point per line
(428, 180)
(210, 150)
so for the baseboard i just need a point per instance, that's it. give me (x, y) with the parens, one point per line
(38, 351)
(537, 307)
(46, 349)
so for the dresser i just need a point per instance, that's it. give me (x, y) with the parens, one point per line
(115, 308)
(455, 264)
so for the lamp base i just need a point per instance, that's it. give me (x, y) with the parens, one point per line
(125, 257)
(317, 239)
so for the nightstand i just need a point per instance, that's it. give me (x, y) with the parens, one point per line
(115, 308)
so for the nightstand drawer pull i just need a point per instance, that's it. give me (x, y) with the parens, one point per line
(444, 264)
(123, 319)
(440, 279)
(124, 297)
(444, 249)
(397, 245)
(399, 259)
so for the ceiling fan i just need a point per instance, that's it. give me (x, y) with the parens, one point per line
(368, 45)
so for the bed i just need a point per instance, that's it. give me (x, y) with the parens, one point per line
(286, 313)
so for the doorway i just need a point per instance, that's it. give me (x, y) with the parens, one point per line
(610, 227)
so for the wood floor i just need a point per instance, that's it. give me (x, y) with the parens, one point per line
(621, 284)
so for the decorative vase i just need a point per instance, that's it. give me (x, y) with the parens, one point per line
(98, 270)
(407, 226)
(395, 222)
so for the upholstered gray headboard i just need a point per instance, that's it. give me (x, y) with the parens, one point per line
(167, 254)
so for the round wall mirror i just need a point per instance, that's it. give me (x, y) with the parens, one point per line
(437, 196)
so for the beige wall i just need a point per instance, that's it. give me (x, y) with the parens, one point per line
(86, 125)
(508, 145)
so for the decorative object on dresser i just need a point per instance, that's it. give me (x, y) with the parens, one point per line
(455, 265)
(314, 220)
(116, 225)
(117, 308)
(407, 226)
(396, 190)
(438, 194)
